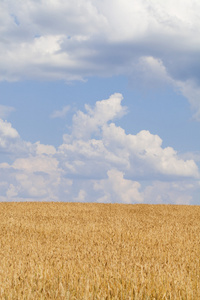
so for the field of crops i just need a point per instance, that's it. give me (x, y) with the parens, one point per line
(99, 251)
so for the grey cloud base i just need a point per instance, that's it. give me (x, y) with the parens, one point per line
(103, 38)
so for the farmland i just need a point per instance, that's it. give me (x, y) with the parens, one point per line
(99, 251)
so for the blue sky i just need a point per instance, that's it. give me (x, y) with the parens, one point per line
(100, 101)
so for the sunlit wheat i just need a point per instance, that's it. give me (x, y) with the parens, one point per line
(99, 251)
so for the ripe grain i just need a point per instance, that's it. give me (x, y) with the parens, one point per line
(99, 251)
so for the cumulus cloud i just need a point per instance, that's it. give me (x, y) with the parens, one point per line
(7, 131)
(45, 149)
(8, 136)
(118, 189)
(145, 153)
(36, 177)
(178, 192)
(97, 143)
(85, 124)
(36, 164)
(11, 142)
(98, 161)
(102, 38)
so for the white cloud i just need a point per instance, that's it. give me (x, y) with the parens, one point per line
(142, 20)
(7, 131)
(97, 161)
(95, 37)
(35, 177)
(145, 154)
(8, 136)
(118, 189)
(174, 192)
(10, 141)
(154, 41)
(85, 124)
(40, 163)
(97, 144)
(45, 149)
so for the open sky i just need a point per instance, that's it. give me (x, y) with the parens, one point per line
(100, 101)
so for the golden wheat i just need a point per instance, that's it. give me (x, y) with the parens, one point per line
(99, 251)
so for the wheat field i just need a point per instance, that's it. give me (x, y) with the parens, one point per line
(99, 251)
